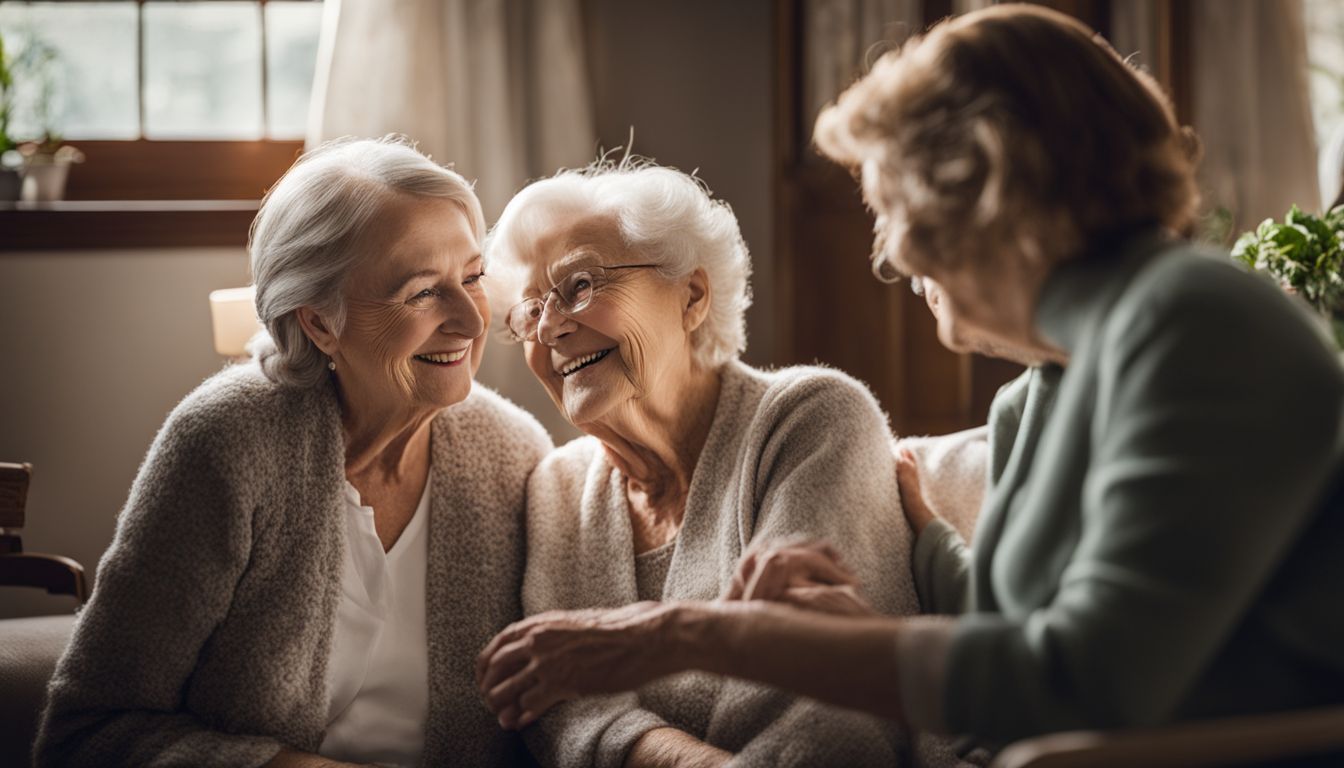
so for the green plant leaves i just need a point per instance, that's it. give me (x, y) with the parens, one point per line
(1305, 253)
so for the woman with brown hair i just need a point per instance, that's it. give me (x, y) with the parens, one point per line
(1161, 543)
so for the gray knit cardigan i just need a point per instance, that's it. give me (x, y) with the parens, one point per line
(206, 640)
(795, 452)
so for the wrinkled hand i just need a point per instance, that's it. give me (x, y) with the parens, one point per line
(545, 659)
(912, 497)
(807, 575)
(843, 600)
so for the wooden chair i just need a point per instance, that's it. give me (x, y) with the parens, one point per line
(58, 575)
(1313, 737)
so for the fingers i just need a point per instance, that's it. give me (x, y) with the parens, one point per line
(509, 635)
(535, 702)
(780, 569)
(843, 600)
(507, 664)
(917, 512)
(746, 570)
(516, 689)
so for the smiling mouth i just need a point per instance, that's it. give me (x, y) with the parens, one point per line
(443, 358)
(578, 364)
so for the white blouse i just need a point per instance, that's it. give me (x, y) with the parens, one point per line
(378, 673)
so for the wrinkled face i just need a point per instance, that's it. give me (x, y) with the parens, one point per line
(616, 350)
(416, 311)
(961, 339)
(976, 298)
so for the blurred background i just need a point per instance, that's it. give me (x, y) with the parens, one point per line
(138, 138)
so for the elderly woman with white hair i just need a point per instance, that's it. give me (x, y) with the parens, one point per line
(628, 288)
(319, 541)
(1161, 539)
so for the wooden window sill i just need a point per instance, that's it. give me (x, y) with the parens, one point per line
(105, 224)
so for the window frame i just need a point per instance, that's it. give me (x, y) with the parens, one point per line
(155, 192)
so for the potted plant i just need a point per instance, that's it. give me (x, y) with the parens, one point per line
(10, 181)
(47, 160)
(1305, 253)
(46, 166)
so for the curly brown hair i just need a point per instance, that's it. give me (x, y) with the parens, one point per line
(1016, 126)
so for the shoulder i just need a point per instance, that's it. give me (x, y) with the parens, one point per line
(1198, 300)
(1194, 325)
(1209, 292)
(240, 408)
(563, 473)
(490, 424)
(492, 417)
(808, 394)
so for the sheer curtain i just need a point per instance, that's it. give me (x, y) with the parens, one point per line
(1252, 109)
(498, 88)
(1251, 104)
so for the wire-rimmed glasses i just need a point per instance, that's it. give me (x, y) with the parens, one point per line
(573, 293)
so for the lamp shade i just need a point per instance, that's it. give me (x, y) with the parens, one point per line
(234, 316)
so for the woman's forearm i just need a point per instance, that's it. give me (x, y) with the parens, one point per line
(291, 758)
(842, 660)
(671, 748)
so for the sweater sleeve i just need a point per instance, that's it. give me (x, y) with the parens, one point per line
(596, 731)
(182, 542)
(826, 471)
(1216, 429)
(942, 569)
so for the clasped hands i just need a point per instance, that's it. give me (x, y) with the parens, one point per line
(555, 656)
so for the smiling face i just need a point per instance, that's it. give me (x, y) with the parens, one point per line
(416, 312)
(631, 338)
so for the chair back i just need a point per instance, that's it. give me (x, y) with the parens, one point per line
(13, 498)
(58, 575)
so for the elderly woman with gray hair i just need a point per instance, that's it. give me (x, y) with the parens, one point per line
(319, 541)
(628, 287)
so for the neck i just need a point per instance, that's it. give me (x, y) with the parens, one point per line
(655, 440)
(387, 442)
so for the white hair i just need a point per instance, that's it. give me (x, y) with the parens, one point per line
(668, 217)
(306, 238)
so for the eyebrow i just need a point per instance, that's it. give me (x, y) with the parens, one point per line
(579, 257)
(419, 273)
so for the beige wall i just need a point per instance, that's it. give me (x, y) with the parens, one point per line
(97, 347)
(694, 78)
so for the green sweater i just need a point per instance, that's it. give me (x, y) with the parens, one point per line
(1161, 541)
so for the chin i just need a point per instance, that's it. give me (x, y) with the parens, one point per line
(448, 395)
(586, 405)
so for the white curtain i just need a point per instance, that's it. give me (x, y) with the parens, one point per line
(1251, 105)
(1252, 109)
(498, 88)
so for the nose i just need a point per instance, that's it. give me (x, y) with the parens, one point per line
(552, 324)
(464, 314)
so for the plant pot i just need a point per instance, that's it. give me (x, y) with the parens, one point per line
(11, 183)
(44, 182)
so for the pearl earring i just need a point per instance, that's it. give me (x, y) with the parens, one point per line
(331, 365)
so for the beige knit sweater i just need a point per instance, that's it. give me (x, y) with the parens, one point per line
(800, 451)
(206, 640)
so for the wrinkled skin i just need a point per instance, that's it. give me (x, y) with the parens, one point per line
(545, 659)
(417, 292)
(809, 575)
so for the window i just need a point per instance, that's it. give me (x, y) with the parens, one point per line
(168, 101)
(1325, 54)
(162, 70)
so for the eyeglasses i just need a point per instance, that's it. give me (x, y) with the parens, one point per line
(573, 294)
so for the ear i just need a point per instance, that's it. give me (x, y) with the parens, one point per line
(317, 330)
(697, 300)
